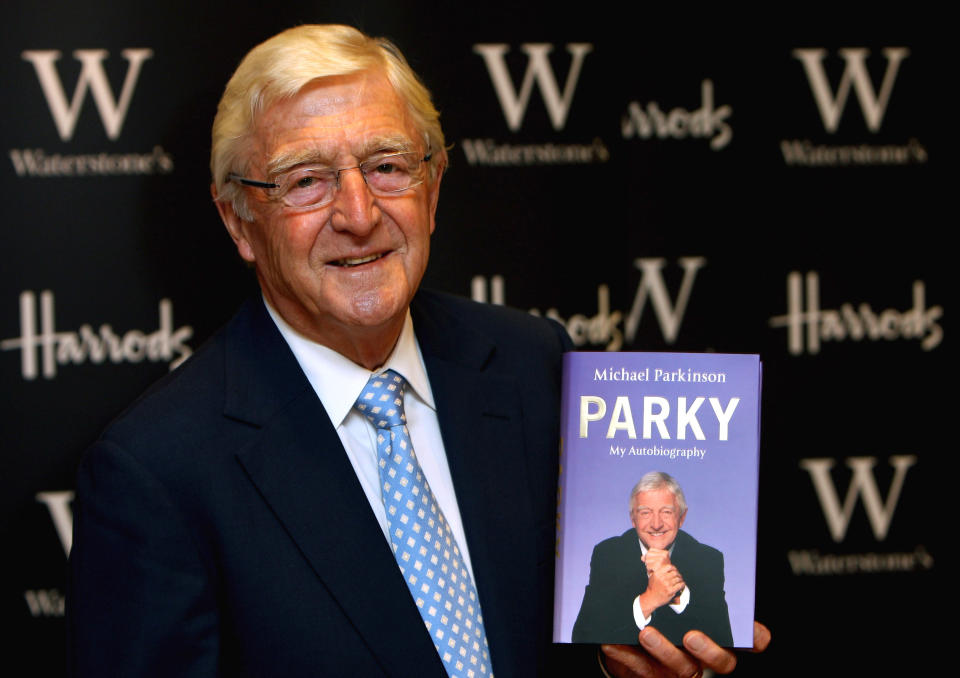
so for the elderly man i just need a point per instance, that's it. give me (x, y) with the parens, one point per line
(265, 510)
(654, 574)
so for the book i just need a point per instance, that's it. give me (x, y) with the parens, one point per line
(673, 420)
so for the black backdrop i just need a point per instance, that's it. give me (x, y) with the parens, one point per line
(668, 181)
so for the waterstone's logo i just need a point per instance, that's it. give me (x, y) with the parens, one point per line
(706, 122)
(50, 602)
(832, 103)
(65, 112)
(515, 101)
(879, 512)
(852, 322)
(609, 329)
(43, 348)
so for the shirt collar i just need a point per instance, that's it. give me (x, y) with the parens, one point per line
(338, 380)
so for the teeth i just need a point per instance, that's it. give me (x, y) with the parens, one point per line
(356, 261)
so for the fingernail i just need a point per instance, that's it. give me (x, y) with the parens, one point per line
(650, 640)
(696, 642)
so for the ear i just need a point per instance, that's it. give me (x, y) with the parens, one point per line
(236, 227)
(434, 195)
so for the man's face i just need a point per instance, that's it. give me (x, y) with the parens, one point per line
(656, 518)
(346, 271)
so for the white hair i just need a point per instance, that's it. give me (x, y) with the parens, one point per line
(658, 480)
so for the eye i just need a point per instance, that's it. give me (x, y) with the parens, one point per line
(391, 172)
(307, 186)
(309, 179)
(390, 166)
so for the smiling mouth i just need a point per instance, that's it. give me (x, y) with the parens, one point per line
(350, 262)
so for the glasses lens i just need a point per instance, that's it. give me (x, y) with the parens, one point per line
(392, 173)
(312, 186)
(308, 186)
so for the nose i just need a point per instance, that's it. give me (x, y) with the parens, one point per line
(354, 207)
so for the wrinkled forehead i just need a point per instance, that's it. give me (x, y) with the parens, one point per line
(341, 94)
(334, 117)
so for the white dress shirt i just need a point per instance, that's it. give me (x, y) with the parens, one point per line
(338, 382)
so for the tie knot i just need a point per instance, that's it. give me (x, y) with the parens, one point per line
(381, 400)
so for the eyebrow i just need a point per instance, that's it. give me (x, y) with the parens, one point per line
(284, 162)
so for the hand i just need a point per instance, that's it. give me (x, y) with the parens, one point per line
(656, 559)
(659, 658)
(663, 585)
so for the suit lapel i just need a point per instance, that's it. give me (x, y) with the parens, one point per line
(479, 415)
(682, 548)
(636, 554)
(297, 463)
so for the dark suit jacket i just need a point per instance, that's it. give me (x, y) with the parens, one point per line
(618, 576)
(220, 529)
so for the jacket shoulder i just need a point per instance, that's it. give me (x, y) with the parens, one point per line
(187, 407)
(622, 543)
(689, 545)
(501, 324)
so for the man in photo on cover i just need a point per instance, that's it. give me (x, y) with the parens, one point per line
(654, 575)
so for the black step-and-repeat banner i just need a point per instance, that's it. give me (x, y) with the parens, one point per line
(655, 181)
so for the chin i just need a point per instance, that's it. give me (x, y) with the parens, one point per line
(378, 308)
(659, 543)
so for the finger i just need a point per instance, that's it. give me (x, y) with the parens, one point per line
(674, 660)
(761, 637)
(709, 653)
(626, 661)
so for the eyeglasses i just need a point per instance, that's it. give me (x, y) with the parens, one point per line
(310, 186)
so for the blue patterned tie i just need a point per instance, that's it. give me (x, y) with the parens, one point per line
(423, 543)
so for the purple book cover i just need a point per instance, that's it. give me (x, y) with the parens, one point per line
(687, 425)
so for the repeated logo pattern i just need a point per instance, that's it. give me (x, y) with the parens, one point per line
(423, 544)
